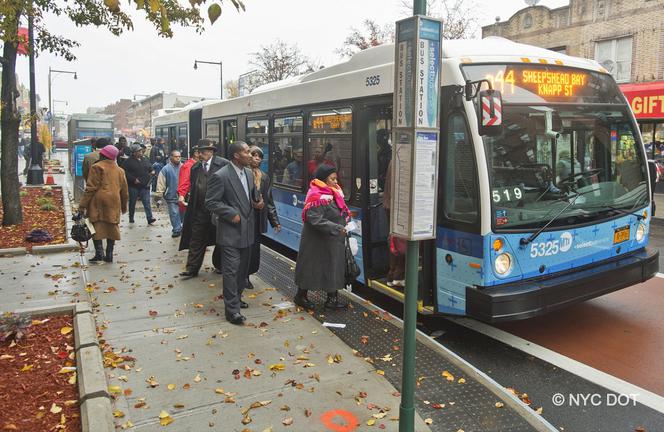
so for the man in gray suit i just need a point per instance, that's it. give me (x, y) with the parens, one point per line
(231, 196)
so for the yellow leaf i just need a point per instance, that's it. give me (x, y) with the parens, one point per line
(115, 389)
(27, 368)
(165, 418)
(118, 414)
(428, 421)
(197, 378)
(499, 404)
(277, 367)
(461, 380)
(448, 376)
(380, 372)
(371, 422)
(55, 409)
(219, 390)
(66, 330)
(72, 378)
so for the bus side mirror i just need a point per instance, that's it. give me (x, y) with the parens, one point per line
(490, 112)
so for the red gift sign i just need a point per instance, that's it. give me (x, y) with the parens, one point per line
(646, 99)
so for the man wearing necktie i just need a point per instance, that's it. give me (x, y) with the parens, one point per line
(198, 231)
(232, 197)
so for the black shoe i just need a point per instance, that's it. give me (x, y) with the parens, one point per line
(188, 274)
(99, 252)
(151, 221)
(244, 305)
(131, 221)
(177, 234)
(302, 300)
(109, 251)
(333, 301)
(236, 318)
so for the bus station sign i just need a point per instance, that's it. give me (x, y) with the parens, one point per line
(416, 127)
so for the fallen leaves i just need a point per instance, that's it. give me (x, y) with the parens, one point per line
(165, 418)
(277, 367)
(65, 330)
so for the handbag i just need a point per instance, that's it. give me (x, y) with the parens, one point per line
(80, 231)
(352, 269)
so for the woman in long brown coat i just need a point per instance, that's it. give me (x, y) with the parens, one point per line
(105, 199)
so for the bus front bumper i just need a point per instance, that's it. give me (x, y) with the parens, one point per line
(537, 296)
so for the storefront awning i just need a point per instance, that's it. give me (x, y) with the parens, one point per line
(646, 99)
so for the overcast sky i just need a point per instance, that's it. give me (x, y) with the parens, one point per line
(140, 62)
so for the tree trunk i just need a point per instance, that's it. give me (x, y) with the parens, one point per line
(11, 203)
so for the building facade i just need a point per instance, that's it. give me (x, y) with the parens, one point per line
(625, 37)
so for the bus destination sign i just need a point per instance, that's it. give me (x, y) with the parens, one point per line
(531, 83)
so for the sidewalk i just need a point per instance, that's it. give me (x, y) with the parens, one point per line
(204, 372)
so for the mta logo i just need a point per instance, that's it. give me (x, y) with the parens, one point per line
(565, 241)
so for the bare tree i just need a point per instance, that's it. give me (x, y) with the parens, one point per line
(232, 90)
(460, 17)
(278, 61)
(371, 35)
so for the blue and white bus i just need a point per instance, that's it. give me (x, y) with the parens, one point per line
(550, 209)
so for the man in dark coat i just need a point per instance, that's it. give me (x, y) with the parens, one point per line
(198, 231)
(232, 197)
(139, 177)
(124, 152)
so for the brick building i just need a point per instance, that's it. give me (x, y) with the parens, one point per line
(626, 37)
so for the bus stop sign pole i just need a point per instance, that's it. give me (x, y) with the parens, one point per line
(416, 130)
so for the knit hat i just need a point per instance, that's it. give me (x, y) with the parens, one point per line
(110, 151)
(324, 171)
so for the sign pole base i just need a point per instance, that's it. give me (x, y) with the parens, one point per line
(407, 407)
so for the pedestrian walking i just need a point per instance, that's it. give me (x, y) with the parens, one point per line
(139, 176)
(321, 258)
(267, 213)
(167, 187)
(157, 159)
(184, 179)
(104, 201)
(93, 156)
(232, 196)
(27, 148)
(198, 231)
(124, 152)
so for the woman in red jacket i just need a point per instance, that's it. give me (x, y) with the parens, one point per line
(183, 180)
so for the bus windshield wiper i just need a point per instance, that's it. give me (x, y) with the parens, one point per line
(623, 211)
(524, 241)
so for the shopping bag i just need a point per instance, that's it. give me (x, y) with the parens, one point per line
(352, 269)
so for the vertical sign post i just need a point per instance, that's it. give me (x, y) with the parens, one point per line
(416, 131)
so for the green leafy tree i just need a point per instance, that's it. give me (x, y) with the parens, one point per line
(99, 13)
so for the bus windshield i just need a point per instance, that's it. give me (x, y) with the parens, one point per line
(567, 142)
(549, 155)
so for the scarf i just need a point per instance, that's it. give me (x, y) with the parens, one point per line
(258, 175)
(319, 194)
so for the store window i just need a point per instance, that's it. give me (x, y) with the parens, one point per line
(615, 55)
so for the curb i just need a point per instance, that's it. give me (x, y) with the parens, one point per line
(52, 248)
(94, 400)
(13, 251)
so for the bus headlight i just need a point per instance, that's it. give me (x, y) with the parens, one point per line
(503, 264)
(640, 232)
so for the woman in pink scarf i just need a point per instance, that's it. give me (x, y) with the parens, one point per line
(321, 256)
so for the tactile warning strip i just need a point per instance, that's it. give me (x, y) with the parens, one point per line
(468, 405)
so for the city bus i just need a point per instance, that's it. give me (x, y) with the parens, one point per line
(550, 208)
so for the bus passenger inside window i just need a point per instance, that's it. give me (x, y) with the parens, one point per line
(384, 155)
(293, 171)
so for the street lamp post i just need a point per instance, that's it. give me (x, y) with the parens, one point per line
(50, 101)
(221, 73)
(149, 99)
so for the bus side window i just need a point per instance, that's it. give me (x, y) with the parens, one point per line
(459, 191)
